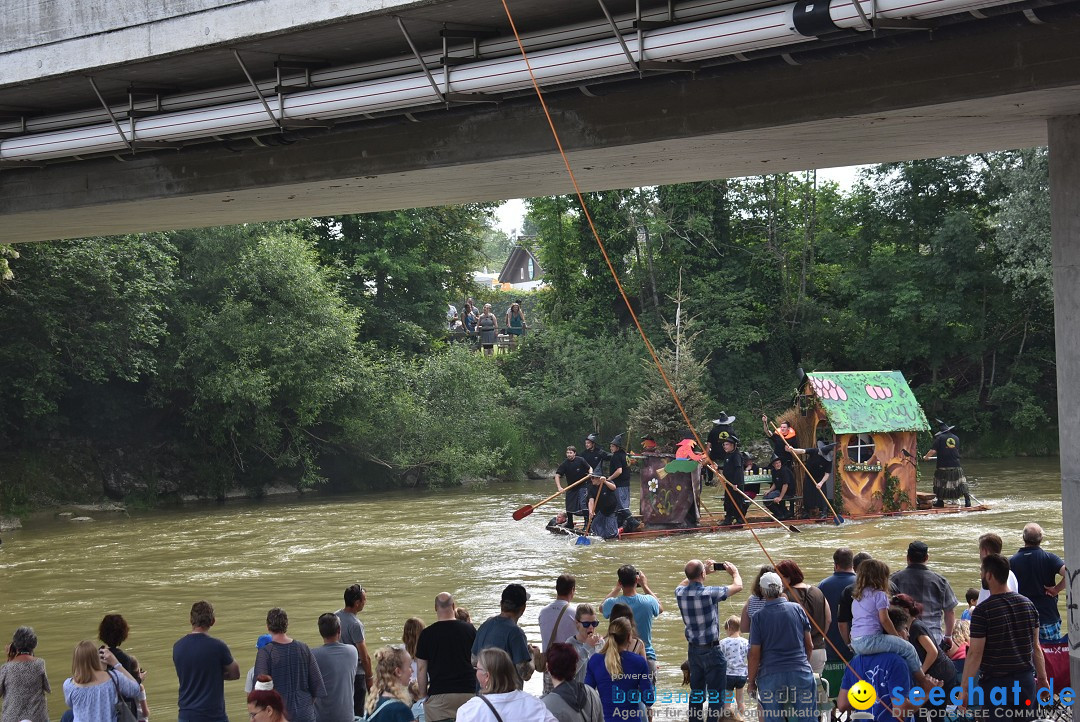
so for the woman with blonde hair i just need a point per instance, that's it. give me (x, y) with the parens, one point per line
(616, 667)
(96, 683)
(623, 611)
(389, 698)
(500, 700)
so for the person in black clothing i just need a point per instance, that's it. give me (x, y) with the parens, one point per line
(938, 666)
(619, 473)
(949, 479)
(593, 454)
(819, 463)
(573, 469)
(604, 505)
(783, 481)
(734, 502)
(714, 444)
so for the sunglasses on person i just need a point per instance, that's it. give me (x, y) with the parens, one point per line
(589, 624)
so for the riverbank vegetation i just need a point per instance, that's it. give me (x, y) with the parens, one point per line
(313, 352)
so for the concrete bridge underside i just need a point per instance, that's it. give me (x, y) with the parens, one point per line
(981, 86)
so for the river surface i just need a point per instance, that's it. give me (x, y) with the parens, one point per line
(405, 547)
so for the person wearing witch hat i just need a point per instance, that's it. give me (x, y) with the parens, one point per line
(714, 444)
(619, 472)
(594, 454)
(819, 463)
(949, 479)
(734, 502)
(603, 505)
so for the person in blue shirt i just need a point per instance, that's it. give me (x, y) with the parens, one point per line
(885, 671)
(778, 668)
(620, 677)
(645, 606)
(833, 587)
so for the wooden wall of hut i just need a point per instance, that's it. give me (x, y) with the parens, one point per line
(865, 481)
(669, 497)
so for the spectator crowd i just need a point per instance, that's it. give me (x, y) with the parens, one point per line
(889, 627)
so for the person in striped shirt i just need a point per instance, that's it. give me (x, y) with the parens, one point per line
(1004, 649)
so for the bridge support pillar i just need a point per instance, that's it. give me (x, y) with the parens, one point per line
(1064, 133)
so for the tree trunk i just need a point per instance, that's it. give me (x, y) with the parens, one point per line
(652, 275)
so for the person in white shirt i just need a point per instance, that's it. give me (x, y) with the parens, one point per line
(499, 698)
(991, 544)
(560, 612)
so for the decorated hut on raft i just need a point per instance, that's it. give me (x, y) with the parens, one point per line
(670, 487)
(874, 418)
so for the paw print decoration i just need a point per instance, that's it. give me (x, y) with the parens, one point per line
(878, 393)
(827, 389)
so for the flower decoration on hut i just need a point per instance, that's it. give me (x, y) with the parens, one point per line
(653, 485)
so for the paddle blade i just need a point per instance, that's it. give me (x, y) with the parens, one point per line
(523, 512)
(794, 529)
(583, 541)
(838, 520)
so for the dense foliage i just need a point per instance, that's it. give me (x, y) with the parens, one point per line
(315, 350)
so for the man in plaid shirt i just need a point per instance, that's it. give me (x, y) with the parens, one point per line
(697, 603)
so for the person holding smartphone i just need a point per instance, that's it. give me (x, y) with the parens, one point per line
(697, 604)
(96, 679)
(644, 605)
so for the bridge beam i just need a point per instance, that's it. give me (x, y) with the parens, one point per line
(984, 88)
(1064, 134)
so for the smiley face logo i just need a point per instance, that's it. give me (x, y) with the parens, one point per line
(862, 695)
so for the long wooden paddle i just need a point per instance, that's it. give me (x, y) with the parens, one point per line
(530, 508)
(728, 485)
(837, 519)
(584, 540)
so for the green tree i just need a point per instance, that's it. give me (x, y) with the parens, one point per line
(585, 294)
(1022, 236)
(265, 350)
(80, 315)
(401, 268)
(656, 412)
(566, 384)
(440, 418)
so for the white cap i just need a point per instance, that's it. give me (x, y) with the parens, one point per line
(771, 579)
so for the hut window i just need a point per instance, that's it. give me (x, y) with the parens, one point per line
(861, 448)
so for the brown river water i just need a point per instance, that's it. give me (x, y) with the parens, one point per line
(405, 547)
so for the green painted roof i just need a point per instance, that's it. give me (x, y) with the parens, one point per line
(865, 402)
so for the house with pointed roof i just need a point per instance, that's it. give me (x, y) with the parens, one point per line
(521, 271)
(874, 418)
